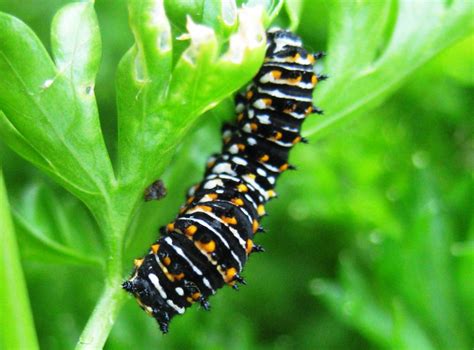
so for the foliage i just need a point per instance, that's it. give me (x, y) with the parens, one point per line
(17, 332)
(372, 245)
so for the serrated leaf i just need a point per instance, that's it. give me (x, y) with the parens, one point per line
(50, 109)
(153, 120)
(143, 76)
(152, 33)
(222, 16)
(16, 322)
(374, 46)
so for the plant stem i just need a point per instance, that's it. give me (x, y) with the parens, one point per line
(113, 217)
(103, 317)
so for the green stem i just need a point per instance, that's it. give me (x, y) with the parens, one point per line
(110, 302)
(113, 216)
(103, 317)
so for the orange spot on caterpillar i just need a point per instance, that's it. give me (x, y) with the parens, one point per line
(255, 226)
(191, 230)
(138, 262)
(212, 196)
(242, 188)
(264, 158)
(283, 167)
(271, 193)
(294, 81)
(248, 246)
(207, 247)
(205, 208)
(276, 74)
(229, 220)
(237, 201)
(296, 57)
(230, 274)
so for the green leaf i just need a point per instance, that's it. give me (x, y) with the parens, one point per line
(388, 326)
(157, 106)
(152, 33)
(411, 302)
(294, 9)
(464, 252)
(16, 322)
(49, 114)
(47, 233)
(78, 58)
(12, 137)
(374, 46)
(143, 75)
(221, 15)
(430, 239)
(459, 60)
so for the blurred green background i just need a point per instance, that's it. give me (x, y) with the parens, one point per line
(370, 244)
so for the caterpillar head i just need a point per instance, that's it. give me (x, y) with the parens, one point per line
(149, 300)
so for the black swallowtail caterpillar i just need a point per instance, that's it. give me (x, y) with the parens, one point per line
(209, 242)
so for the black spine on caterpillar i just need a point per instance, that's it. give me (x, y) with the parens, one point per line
(209, 242)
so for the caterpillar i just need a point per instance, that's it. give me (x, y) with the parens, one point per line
(212, 237)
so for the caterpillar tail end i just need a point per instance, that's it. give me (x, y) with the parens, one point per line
(161, 316)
